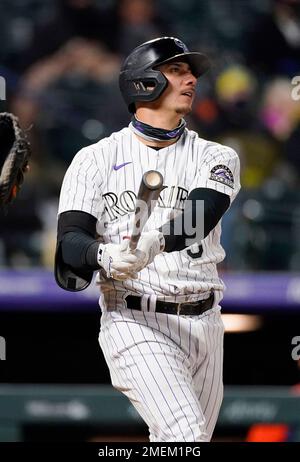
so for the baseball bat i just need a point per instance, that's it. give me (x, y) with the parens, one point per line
(149, 191)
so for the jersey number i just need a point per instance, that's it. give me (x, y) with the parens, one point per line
(194, 252)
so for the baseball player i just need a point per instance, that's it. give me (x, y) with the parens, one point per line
(161, 329)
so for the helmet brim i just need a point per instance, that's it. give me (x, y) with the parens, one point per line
(198, 61)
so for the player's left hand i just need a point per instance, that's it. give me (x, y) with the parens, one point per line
(151, 243)
(117, 261)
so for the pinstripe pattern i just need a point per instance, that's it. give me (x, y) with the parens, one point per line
(186, 164)
(170, 367)
(173, 380)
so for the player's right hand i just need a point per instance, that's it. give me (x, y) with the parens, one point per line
(150, 244)
(117, 262)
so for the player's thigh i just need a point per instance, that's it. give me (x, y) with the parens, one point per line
(208, 377)
(151, 370)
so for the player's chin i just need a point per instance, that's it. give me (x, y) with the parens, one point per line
(184, 109)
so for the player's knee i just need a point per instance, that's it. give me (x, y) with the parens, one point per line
(181, 430)
(194, 433)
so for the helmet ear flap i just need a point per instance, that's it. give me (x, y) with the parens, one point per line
(147, 85)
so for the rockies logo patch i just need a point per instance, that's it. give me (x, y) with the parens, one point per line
(222, 174)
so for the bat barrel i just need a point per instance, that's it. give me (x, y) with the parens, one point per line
(152, 180)
(148, 194)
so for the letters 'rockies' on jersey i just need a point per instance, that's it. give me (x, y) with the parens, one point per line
(103, 180)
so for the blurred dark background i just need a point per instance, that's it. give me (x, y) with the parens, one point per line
(60, 61)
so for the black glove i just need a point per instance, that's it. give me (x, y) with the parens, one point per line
(14, 155)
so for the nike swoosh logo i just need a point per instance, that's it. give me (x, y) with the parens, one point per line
(117, 167)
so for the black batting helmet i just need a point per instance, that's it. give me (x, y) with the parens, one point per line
(140, 81)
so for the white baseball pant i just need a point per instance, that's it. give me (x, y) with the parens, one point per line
(170, 367)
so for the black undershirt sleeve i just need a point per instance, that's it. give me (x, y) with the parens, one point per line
(79, 250)
(77, 236)
(215, 205)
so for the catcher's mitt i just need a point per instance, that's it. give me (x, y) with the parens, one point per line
(14, 155)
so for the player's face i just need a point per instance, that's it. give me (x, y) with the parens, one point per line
(180, 92)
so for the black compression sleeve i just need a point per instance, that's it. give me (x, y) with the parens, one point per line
(76, 233)
(215, 205)
(79, 250)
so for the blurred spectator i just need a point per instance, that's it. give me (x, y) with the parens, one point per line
(71, 18)
(78, 57)
(70, 69)
(134, 22)
(231, 118)
(235, 95)
(280, 112)
(73, 41)
(280, 115)
(64, 94)
(73, 77)
(263, 219)
(274, 44)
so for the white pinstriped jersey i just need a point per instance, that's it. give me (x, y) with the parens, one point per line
(103, 180)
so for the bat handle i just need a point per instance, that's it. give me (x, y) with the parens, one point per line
(134, 242)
